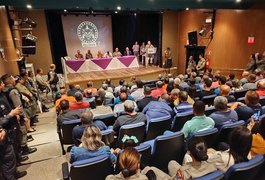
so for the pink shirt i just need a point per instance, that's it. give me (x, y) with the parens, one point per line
(261, 92)
(75, 106)
(215, 85)
(158, 92)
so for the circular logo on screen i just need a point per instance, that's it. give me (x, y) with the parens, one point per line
(88, 34)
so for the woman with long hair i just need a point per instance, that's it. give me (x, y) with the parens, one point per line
(91, 146)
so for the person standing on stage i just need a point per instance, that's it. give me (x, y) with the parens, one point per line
(168, 59)
(201, 65)
(107, 55)
(79, 55)
(89, 55)
(149, 57)
(99, 55)
(135, 49)
(116, 53)
(127, 52)
(191, 64)
(142, 53)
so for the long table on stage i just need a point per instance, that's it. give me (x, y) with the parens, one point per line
(99, 64)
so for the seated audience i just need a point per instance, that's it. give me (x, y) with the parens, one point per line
(130, 116)
(78, 88)
(251, 83)
(215, 81)
(147, 98)
(42, 85)
(91, 146)
(91, 88)
(261, 88)
(225, 92)
(79, 104)
(199, 166)
(123, 89)
(160, 108)
(108, 94)
(108, 82)
(251, 106)
(244, 76)
(230, 78)
(138, 93)
(117, 89)
(119, 108)
(67, 114)
(129, 161)
(192, 89)
(174, 95)
(183, 85)
(166, 81)
(207, 91)
(258, 138)
(156, 93)
(100, 108)
(183, 106)
(199, 122)
(88, 97)
(221, 81)
(72, 90)
(132, 84)
(239, 141)
(236, 85)
(86, 120)
(63, 96)
(170, 85)
(222, 114)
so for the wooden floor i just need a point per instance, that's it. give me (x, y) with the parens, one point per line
(113, 74)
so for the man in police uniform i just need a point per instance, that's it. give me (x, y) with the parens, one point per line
(9, 138)
(15, 99)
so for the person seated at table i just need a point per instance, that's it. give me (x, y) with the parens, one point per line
(116, 53)
(78, 55)
(107, 55)
(99, 54)
(89, 55)
(127, 52)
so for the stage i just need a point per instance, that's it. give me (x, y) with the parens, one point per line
(144, 73)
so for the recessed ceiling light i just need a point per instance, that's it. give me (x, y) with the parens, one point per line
(238, 1)
(65, 10)
(187, 9)
(118, 8)
(116, 12)
(199, 0)
(29, 6)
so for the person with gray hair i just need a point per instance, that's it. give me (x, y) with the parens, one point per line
(222, 115)
(156, 93)
(129, 117)
(79, 104)
(86, 120)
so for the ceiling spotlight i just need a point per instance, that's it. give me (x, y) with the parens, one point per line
(238, 1)
(202, 32)
(118, 8)
(187, 9)
(135, 14)
(199, 0)
(65, 10)
(116, 12)
(29, 6)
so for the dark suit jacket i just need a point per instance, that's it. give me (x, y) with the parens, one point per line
(126, 54)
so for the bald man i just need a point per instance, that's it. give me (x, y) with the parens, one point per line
(224, 91)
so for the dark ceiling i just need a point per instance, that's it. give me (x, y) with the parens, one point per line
(145, 5)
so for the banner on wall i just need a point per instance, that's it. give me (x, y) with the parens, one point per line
(84, 33)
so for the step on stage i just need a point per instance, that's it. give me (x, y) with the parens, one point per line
(144, 73)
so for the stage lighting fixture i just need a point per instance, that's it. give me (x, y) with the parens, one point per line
(116, 12)
(29, 6)
(202, 32)
(118, 8)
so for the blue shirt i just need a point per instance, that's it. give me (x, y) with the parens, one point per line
(183, 107)
(77, 132)
(221, 118)
(80, 153)
(118, 100)
(245, 112)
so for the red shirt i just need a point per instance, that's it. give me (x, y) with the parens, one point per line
(158, 92)
(79, 105)
(261, 92)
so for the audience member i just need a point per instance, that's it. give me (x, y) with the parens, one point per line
(225, 92)
(221, 81)
(88, 97)
(183, 85)
(192, 89)
(183, 106)
(222, 114)
(78, 88)
(236, 85)
(147, 98)
(72, 90)
(198, 122)
(100, 108)
(117, 89)
(138, 93)
(261, 88)
(71, 99)
(123, 89)
(108, 82)
(199, 166)
(91, 146)
(174, 95)
(244, 76)
(91, 88)
(53, 78)
(107, 93)
(79, 104)
(251, 83)
(119, 108)
(207, 91)
(130, 116)
(86, 120)
(156, 93)
(42, 85)
(231, 77)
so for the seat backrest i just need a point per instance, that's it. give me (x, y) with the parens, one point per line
(209, 110)
(67, 128)
(93, 168)
(108, 119)
(216, 175)
(245, 170)
(108, 137)
(240, 93)
(167, 148)
(180, 120)
(145, 151)
(227, 128)
(157, 127)
(262, 100)
(108, 101)
(208, 100)
(209, 136)
(137, 130)
(241, 99)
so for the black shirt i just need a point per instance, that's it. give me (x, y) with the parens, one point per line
(143, 102)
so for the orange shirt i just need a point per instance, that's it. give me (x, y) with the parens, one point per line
(94, 90)
(158, 92)
(261, 92)
(79, 105)
(258, 145)
(71, 99)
